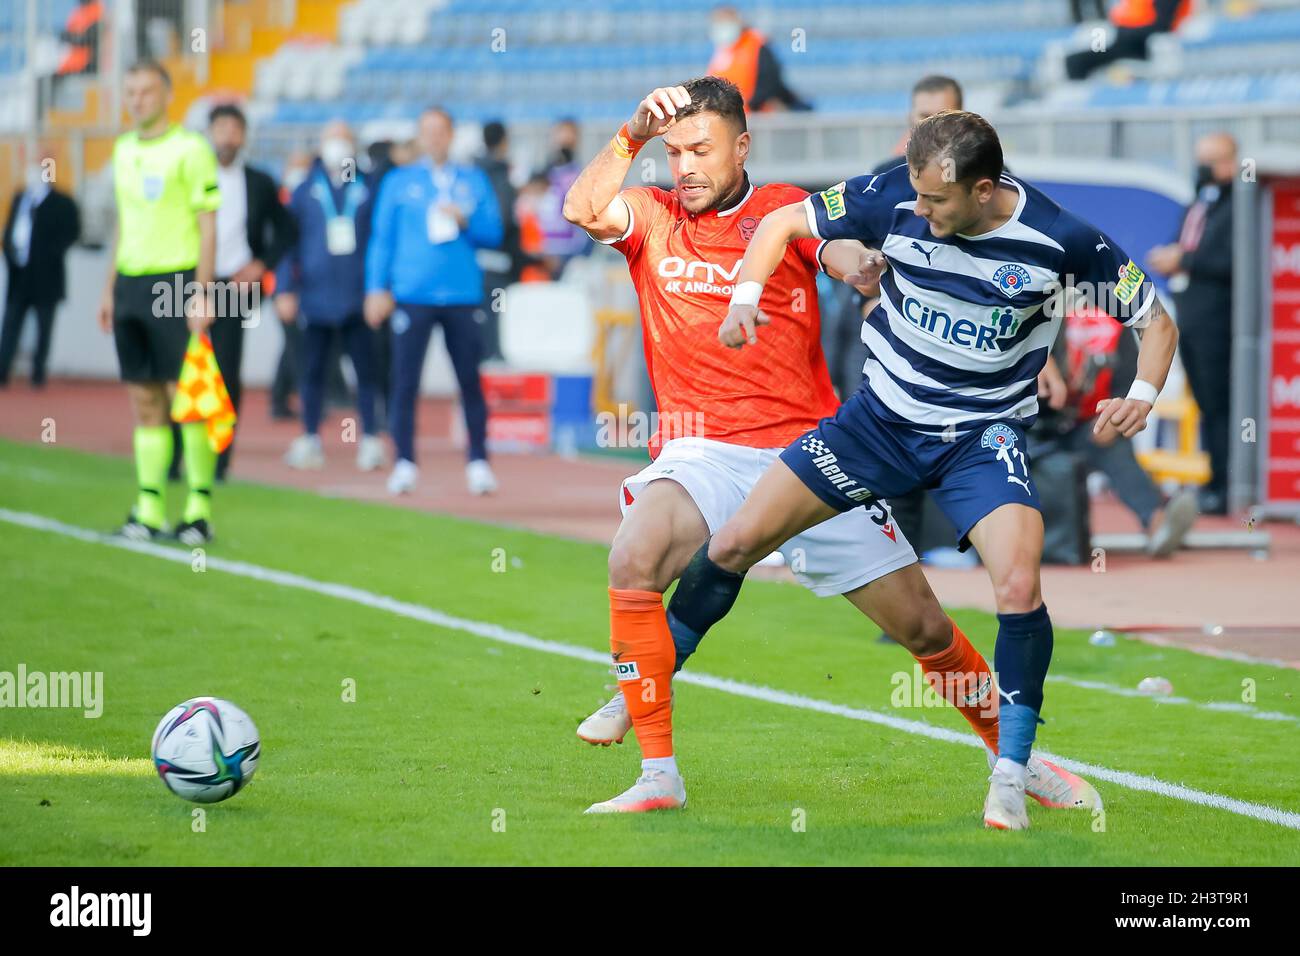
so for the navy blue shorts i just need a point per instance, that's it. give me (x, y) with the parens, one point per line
(856, 456)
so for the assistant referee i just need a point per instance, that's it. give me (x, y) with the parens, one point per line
(164, 245)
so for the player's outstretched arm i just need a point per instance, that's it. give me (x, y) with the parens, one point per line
(592, 202)
(857, 264)
(778, 228)
(1128, 416)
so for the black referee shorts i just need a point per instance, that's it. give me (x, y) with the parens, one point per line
(149, 326)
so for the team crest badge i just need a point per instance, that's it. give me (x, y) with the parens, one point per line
(998, 437)
(1012, 279)
(747, 227)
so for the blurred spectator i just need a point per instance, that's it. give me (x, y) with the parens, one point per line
(320, 287)
(930, 94)
(81, 35)
(284, 383)
(297, 165)
(170, 17)
(429, 219)
(1082, 11)
(1200, 266)
(379, 163)
(1134, 22)
(536, 267)
(742, 55)
(43, 224)
(1101, 362)
(403, 153)
(562, 240)
(500, 266)
(253, 232)
(379, 160)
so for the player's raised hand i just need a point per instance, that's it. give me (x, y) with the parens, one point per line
(1128, 416)
(738, 328)
(657, 112)
(871, 266)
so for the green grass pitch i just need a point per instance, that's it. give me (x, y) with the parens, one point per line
(460, 750)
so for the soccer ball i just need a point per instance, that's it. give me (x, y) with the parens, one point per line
(206, 749)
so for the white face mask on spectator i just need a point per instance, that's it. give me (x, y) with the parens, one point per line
(334, 152)
(724, 32)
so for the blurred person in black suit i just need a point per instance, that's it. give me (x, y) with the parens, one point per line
(254, 230)
(1199, 265)
(501, 267)
(42, 225)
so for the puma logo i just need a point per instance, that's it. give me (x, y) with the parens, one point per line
(925, 252)
(1101, 245)
(1009, 696)
(871, 186)
(1023, 484)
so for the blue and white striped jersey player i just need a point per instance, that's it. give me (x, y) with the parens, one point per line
(976, 268)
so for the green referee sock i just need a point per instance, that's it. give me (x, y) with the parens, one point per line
(153, 456)
(200, 470)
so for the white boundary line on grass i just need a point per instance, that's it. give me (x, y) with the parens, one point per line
(494, 632)
(1218, 706)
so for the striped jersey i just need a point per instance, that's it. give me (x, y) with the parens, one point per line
(966, 323)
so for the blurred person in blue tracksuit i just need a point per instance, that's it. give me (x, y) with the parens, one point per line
(320, 285)
(429, 219)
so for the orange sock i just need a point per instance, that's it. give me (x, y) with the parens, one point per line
(644, 656)
(961, 676)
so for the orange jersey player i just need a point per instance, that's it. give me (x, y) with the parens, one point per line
(683, 265)
(723, 422)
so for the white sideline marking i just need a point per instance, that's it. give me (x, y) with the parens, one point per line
(1218, 706)
(494, 632)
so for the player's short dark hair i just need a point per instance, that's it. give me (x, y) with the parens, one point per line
(937, 83)
(150, 65)
(494, 134)
(713, 94)
(964, 139)
(228, 111)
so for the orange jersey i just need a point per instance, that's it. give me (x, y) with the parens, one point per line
(684, 268)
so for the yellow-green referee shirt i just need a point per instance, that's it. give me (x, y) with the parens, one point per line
(161, 184)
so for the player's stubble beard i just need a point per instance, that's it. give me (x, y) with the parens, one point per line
(722, 198)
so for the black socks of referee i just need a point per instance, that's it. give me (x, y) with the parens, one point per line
(704, 595)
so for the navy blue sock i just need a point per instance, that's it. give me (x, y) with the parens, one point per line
(1020, 657)
(704, 595)
(685, 638)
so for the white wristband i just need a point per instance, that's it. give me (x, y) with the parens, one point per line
(747, 293)
(1143, 391)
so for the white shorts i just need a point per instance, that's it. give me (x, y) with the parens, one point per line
(838, 555)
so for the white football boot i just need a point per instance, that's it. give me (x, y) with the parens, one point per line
(479, 478)
(608, 725)
(371, 454)
(1057, 788)
(1004, 808)
(403, 477)
(654, 790)
(305, 454)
